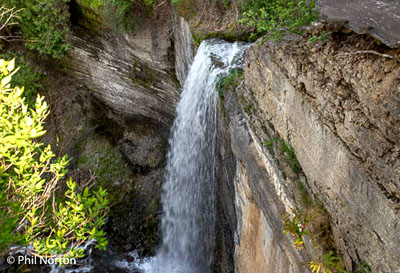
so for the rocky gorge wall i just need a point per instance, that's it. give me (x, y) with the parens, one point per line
(340, 114)
(338, 111)
(113, 100)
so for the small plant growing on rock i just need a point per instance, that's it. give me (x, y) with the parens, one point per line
(297, 227)
(231, 81)
(328, 264)
(267, 143)
(322, 38)
(364, 267)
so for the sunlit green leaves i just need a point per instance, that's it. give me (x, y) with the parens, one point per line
(276, 18)
(29, 176)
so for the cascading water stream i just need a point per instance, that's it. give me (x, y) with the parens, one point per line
(189, 190)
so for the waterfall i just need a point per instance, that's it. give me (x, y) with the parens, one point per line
(189, 189)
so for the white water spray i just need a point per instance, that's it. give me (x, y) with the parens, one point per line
(189, 190)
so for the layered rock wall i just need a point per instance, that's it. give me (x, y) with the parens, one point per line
(341, 115)
(134, 74)
(252, 210)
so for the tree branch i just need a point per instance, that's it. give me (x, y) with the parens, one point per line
(369, 52)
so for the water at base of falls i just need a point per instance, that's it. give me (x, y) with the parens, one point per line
(189, 189)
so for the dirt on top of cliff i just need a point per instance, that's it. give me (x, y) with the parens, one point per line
(379, 18)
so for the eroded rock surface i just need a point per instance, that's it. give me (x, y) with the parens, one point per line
(132, 74)
(341, 115)
(381, 18)
(251, 201)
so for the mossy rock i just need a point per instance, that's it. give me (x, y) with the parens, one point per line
(105, 166)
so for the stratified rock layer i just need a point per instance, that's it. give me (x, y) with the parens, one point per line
(341, 114)
(250, 202)
(132, 74)
(381, 19)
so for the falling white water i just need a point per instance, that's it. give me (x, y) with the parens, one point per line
(189, 190)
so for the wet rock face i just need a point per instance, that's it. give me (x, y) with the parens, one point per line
(124, 156)
(249, 230)
(184, 47)
(133, 74)
(341, 115)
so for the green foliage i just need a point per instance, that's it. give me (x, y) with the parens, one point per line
(8, 18)
(28, 76)
(296, 226)
(77, 220)
(124, 15)
(328, 263)
(175, 2)
(149, 3)
(230, 82)
(290, 156)
(323, 37)
(364, 267)
(267, 143)
(44, 24)
(277, 18)
(30, 173)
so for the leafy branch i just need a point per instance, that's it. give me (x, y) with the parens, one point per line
(32, 211)
(296, 225)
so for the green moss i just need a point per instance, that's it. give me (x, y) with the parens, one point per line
(249, 108)
(230, 82)
(267, 143)
(151, 223)
(304, 195)
(104, 164)
(94, 4)
(197, 39)
(88, 15)
(364, 267)
(143, 75)
(290, 156)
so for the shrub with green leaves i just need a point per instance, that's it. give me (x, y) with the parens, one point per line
(32, 212)
(276, 18)
(44, 24)
(29, 76)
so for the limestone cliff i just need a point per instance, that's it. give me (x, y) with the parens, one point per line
(340, 113)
